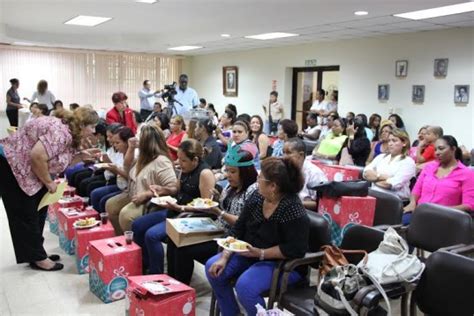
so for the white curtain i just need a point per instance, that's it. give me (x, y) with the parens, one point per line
(82, 76)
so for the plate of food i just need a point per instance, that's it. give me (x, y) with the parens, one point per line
(163, 200)
(101, 165)
(201, 203)
(232, 244)
(85, 223)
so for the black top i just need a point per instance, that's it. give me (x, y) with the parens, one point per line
(15, 98)
(214, 155)
(360, 150)
(287, 227)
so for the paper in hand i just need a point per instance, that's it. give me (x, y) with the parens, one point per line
(51, 198)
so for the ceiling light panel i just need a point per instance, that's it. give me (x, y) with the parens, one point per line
(437, 12)
(185, 48)
(85, 20)
(269, 36)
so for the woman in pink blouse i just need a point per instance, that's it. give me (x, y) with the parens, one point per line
(445, 181)
(44, 146)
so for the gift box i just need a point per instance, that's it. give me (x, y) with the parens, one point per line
(66, 218)
(159, 295)
(81, 242)
(111, 261)
(192, 230)
(65, 202)
(338, 173)
(69, 191)
(345, 211)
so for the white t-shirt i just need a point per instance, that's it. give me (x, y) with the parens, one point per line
(117, 159)
(399, 170)
(46, 98)
(313, 175)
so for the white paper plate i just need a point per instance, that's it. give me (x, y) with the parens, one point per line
(101, 165)
(220, 242)
(161, 200)
(85, 227)
(204, 207)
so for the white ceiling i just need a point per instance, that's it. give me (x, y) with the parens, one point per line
(137, 27)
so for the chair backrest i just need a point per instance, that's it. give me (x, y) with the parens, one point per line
(388, 208)
(447, 285)
(319, 232)
(359, 237)
(310, 144)
(434, 226)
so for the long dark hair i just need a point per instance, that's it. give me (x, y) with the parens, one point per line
(360, 126)
(256, 135)
(399, 123)
(453, 143)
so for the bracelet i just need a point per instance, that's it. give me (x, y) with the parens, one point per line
(262, 254)
(221, 214)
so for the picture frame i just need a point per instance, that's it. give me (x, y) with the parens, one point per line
(383, 92)
(418, 94)
(461, 94)
(230, 81)
(441, 67)
(401, 68)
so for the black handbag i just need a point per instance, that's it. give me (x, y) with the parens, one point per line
(341, 188)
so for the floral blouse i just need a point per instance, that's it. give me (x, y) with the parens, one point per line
(56, 139)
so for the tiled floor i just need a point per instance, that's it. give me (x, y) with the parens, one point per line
(27, 292)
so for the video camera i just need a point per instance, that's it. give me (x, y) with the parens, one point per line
(169, 93)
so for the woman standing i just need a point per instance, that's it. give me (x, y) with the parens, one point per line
(241, 175)
(275, 224)
(13, 102)
(259, 138)
(178, 133)
(43, 95)
(47, 145)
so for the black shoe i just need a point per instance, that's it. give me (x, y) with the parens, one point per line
(56, 267)
(54, 257)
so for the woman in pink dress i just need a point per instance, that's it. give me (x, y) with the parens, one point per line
(178, 132)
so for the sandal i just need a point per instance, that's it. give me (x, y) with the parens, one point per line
(54, 257)
(56, 267)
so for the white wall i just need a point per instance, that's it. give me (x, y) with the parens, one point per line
(364, 63)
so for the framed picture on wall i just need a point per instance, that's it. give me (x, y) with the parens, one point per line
(418, 94)
(441, 67)
(383, 92)
(401, 68)
(230, 81)
(461, 94)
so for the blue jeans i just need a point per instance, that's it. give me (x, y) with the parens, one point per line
(149, 231)
(73, 169)
(406, 218)
(100, 196)
(254, 277)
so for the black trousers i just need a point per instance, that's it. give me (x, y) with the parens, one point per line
(80, 175)
(86, 186)
(26, 223)
(144, 114)
(181, 260)
(12, 115)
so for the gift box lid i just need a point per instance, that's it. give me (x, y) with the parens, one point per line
(97, 229)
(194, 225)
(113, 246)
(72, 212)
(156, 284)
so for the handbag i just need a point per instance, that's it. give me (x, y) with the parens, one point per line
(334, 256)
(341, 188)
(391, 261)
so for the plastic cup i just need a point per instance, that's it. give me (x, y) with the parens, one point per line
(104, 217)
(128, 237)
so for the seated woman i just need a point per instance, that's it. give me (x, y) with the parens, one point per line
(259, 138)
(397, 121)
(286, 129)
(416, 142)
(153, 167)
(224, 130)
(445, 181)
(116, 178)
(374, 124)
(392, 172)
(178, 134)
(313, 131)
(241, 175)
(212, 152)
(196, 180)
(358, 145)
(37, 110)
(381, 146)
(330, 147)
(275, 225)
(240, 137)
(161, 120)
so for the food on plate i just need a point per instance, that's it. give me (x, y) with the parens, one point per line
(200, 202)
(164, 199)
(232, 243)
(86, 222)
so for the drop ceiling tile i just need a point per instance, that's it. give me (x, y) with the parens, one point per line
(451, 18)
(371, 21)
(463, 24)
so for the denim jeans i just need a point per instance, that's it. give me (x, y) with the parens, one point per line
(100, 196)
(254, 277)
(149, 231)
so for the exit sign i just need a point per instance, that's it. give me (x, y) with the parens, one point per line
(310, 62)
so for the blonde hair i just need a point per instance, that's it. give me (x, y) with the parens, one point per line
(152, 145)
(403, 136)
(76, 121)
(179, 119)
